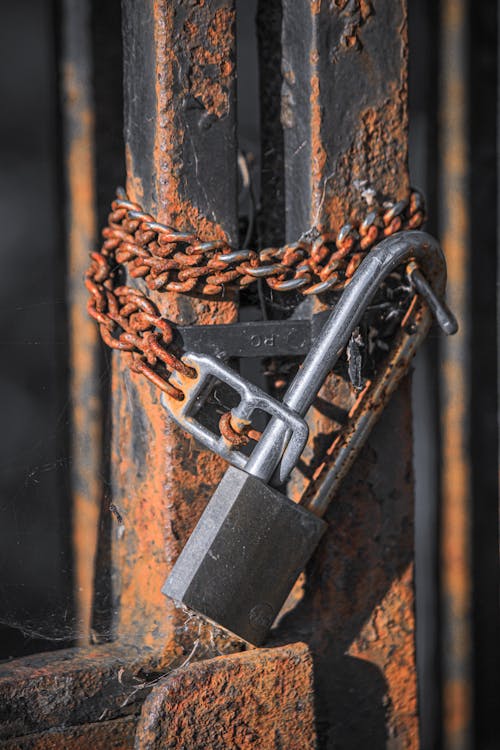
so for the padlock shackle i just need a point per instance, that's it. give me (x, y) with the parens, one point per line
(328, 346)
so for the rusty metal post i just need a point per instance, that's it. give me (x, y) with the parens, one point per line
(344, 119)
(86, 407)
(456, 641)
(179, 70)
(181, 162)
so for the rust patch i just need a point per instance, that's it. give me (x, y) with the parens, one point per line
(212, 64)
(262, 698)
(358, 600)
(375, 160)
(172, 208)
(162, 479)
(353, 15)
(74, 687)
(106, 735)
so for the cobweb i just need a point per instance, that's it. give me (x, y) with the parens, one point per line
(36, 573)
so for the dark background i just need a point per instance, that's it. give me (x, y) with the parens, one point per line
(36, 611)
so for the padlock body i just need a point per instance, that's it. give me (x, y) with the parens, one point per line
(244, 556)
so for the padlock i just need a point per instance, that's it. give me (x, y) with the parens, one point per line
(252, 542)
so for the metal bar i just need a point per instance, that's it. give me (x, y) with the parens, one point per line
(269, 704)
(96, 680)
(264, 338)
(344, 117)
(456, 635)
(179, 70)
(110, 735)
(86, 407)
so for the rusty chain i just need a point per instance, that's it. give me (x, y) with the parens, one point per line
(176, 261)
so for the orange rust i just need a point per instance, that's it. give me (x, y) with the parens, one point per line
(73, 686)
(105, 735)
(358, 605)
(376, 143)
(318, 153)
(172, 209)
(163, 479)
(135, 188)
(374, 639)
(84, 345)
(262, 698)
(359, 399)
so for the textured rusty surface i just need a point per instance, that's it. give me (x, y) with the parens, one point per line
(73, 687)
(357, 607)
(86, 426)
(108, 735)
(456, 511)
(181, 161)
(259, 699)
(181, 165)
(357, 610)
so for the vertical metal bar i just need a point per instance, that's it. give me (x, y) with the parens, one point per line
(86, 412)
(424, 37)
(344, 119)
(483, 402)
(181, 165)
(455, 478)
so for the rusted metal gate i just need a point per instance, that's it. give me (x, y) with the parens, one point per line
(340, 670)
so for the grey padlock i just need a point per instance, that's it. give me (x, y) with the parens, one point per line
(252, 542)
(244, 556)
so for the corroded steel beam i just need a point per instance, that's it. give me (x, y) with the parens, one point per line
(344, 119)
(262, 698)
(72, 687)
(179, 71)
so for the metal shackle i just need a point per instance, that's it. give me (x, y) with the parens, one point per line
(268, 460)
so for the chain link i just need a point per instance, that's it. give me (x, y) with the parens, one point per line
(174, 261)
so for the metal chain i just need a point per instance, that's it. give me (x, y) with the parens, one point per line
(175, 261)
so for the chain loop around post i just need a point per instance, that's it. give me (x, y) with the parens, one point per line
(177, 261)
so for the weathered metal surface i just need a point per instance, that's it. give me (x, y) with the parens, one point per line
(86, 412)
(181, 161)
(344, 119)
(74, 687)
(264, 338)
(259, 699)
(181, 165)
(357, 613)
(109, 735)
(456, 636)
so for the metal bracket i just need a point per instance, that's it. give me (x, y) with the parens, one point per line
(262, 338)
(209, 369)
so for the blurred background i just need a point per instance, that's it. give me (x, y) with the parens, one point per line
(453, 89)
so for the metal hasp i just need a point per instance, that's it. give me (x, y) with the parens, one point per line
(251, 542)
(260, 338)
